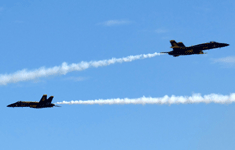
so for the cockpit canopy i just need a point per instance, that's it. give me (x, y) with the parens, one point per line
(213, 42)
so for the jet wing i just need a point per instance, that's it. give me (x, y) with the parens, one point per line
(43, 99)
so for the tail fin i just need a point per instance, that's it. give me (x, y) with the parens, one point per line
(50, 99)
(43, 99)
(181, 44)
(176, 45)
(173, 43)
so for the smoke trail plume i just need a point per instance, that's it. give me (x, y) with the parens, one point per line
(195, 98)
(25, 75)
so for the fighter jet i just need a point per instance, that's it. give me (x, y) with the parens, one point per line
(180, 49)
(43, 103)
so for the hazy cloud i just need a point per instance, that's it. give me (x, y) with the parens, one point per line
(76, 79)
(226, 60)
(160, 30)
(115, 22)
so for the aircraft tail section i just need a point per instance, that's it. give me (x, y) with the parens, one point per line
(180, 44)
(175, 44)
(43, 99)
(49, 100)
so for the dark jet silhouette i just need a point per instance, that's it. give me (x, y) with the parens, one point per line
(180, 49)
(43, 103)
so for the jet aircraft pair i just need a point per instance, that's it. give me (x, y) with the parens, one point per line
(178, 49)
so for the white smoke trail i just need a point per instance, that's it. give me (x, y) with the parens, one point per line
(195, 98)
(25, 75)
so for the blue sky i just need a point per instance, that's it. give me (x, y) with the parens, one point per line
(43, 33)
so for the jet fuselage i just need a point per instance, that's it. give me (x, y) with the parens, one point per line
(43, 103)
(30, 104)
(180, 49)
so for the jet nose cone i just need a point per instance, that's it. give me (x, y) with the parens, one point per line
(225, 44)
(11, 105)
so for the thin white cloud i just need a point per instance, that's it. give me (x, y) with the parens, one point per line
(160, 30)
(76, 79)
(115, 22)
(227, 60)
